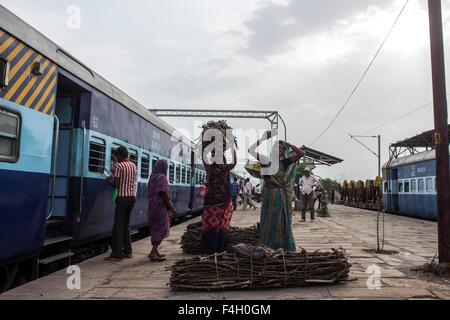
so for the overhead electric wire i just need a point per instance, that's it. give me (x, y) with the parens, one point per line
(389, 122)
(362, 77)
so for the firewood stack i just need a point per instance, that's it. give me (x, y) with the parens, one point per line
(249, 267)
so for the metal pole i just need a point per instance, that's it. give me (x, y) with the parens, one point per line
(441, 131)
(379, 155)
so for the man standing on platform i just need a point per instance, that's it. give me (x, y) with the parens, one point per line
(125, 179)
(248, 189)
(308, 182)
(234, 192)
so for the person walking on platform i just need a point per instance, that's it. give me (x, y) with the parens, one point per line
(159, 208)
(308, 182)
(235, 192)
(218, 205)
(248, 187)
(125, 179)
(332, 195)
(276, 211)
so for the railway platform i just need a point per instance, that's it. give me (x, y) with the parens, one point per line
(351, 228)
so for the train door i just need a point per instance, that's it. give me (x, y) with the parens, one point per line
(58, 199)
(192, 181)
(392, 193)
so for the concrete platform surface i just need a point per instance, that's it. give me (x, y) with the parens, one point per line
(350, 228)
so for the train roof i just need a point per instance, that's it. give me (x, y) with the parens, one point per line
(36, 40)
(415, 158)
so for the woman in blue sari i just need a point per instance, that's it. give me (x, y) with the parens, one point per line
(276, 211)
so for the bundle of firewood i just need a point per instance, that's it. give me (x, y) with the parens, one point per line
(259, 268)
(190, 241)
(228, 139)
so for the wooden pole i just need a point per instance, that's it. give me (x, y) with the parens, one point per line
(441, 131)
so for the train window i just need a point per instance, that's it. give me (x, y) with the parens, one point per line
(133, 156)
(171, 173)
(421, 186)
(386, 187)
(113, 152)
(178, 179)
(400, 187)
(406, 186)
(197, 177)
(414, 185)
(9, 136)
(145, 166)
(429, 185)
(189, 175)
(97, 152)
(183, 175)
(154, 161)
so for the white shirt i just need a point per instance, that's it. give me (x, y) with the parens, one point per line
(248, 188)
(308, 183)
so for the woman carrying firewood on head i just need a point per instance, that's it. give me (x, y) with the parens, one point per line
(218, 205)
(276, 211)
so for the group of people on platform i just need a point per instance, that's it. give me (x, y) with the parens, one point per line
(220, 201)
(243, 192)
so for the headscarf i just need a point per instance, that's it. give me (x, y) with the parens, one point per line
(160, 167)
(275, 151)
(158, 179)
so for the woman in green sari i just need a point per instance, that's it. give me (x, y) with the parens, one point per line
(276, 211)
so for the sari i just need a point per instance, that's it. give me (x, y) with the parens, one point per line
(217, 210)
(158, 214)
(276, 211)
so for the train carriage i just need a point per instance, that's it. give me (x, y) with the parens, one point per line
(409, 186)
(60, 123)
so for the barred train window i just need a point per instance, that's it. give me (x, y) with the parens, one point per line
(145, 166)
(407, 186)
(113, 152)
(178, 173)
(134, 156)
(400, 187)
(414, 185)
(183, 175)
(154, 161)
(171, 173)
(189, 175)
(429, 184)
(9, 136)
(97, 152)
(421, 186)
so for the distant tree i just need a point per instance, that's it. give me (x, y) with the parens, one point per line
(300, 170)
(329, 184)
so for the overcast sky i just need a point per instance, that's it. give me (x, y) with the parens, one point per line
(301, 57)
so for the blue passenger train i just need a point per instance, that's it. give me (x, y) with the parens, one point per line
(409, 185)
(60, 123)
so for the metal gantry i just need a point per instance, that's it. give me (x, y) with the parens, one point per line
(272, 116)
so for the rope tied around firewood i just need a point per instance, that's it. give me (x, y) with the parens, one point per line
(251, 268)
(285, 269)
(217, 267)
(258, 268)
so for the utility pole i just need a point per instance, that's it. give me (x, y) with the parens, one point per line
(441, 131)
(378, 155)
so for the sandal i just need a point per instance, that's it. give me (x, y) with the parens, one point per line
(156, 258)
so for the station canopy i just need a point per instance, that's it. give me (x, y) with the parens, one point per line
(315, 157)
(423, 140)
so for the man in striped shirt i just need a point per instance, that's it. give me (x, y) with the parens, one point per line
(125, 179)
